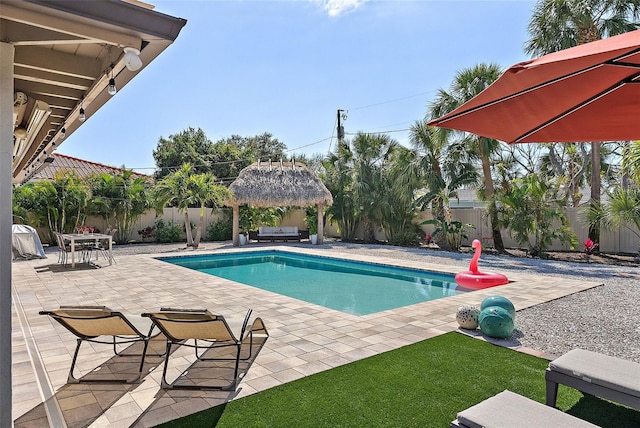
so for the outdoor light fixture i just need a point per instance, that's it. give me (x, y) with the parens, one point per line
(20, 133)
(63, 133)
(111, 89)
(82, 117)
(131, 59)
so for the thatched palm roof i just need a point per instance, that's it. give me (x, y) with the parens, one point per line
(266, 184)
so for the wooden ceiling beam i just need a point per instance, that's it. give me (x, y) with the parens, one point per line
(58, 62)
(74, 28)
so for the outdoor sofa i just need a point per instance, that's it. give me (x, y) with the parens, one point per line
(509, 410)
(597, 374)
(280, 233)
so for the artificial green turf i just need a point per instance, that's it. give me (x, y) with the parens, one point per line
(420, 385)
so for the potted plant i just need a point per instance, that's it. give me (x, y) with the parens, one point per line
(311, 220)
(245, 221)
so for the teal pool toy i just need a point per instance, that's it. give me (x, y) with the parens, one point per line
(496, 321)
(500, 301)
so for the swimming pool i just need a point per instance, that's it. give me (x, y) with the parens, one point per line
(356, 288)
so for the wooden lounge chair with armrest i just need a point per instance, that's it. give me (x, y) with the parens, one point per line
(510, 410)
(597, 374)
(208, 332)
(93, 324)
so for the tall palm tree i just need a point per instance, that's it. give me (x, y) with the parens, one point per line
(467, 84)
(185, 188)
(445, 167)
(174, 190)
(560, 24)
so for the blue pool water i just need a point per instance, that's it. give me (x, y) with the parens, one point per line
(354, 287)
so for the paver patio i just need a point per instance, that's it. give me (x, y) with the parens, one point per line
(304, 338)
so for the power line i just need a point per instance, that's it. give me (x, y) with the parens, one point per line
(391, 101)
(382, 132)
(307, 145)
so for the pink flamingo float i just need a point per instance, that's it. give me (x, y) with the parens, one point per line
(474, 279)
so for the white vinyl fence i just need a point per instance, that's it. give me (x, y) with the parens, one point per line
(618, 241)
(622, 240)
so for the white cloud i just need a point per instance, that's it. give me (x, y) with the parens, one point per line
(338, 7)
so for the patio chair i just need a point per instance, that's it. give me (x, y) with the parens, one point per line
(91, 323)
(64, 249)
(102, 246)
(508, 409)
(210, 333)
(597, 374)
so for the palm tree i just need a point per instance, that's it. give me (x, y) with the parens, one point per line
(185, 188)
(631, 160)
(120, 199)
(370, 153)
(340, 182)
(467, 84)
(446, 167)
(560, 24)
(397, 206)
(623, 210)
(204, 191)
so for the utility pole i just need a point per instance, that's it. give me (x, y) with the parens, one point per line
(341, 115)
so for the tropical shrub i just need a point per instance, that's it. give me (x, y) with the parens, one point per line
(622, 211)
(407, 238)
(452, 231)
(534, 214)
(222, 228)
(250, 218)
(311, 220)
(168, 232)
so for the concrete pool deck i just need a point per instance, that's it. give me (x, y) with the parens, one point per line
(304, 338)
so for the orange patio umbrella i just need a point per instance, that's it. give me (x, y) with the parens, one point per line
(587, 93)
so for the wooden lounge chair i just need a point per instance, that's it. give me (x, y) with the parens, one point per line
(93, 324)
(208, 332)
(510, 410)
(597, 374)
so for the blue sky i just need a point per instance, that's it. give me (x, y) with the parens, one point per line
(285, 67)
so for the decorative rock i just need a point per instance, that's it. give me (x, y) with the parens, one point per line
(500, 301)
(496, 321)
(467, 316)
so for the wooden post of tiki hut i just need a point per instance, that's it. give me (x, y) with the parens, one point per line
(278, 184)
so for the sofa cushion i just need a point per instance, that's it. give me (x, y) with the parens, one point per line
(509, 409)
(604, 370)
(276, 231)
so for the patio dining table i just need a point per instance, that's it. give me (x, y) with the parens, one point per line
(72, 238)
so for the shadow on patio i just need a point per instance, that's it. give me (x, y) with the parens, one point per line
(80, 405)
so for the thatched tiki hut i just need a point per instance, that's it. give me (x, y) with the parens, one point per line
(281, 184)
